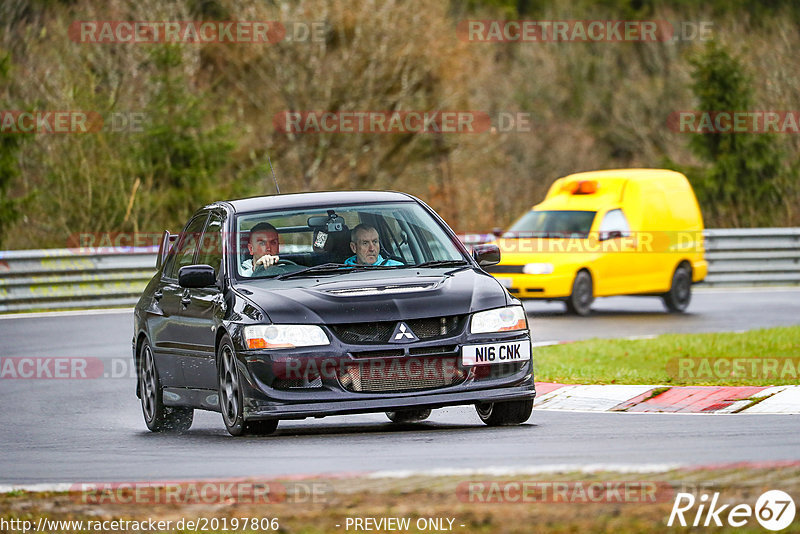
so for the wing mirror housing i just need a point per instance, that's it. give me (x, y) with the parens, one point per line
(487, 254)
(195, 276)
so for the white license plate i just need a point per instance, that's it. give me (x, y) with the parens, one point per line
(494, 353)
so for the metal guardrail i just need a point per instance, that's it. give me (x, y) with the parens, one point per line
(73, 278)
(753, 256)
(98, 278)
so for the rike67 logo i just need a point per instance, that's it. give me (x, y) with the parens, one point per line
(774, 510)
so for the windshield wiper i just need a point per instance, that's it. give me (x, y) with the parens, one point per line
(440, 263)
(332, 267)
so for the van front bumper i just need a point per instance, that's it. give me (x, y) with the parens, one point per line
(537, 286)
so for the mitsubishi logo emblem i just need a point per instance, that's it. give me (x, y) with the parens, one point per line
(403, 334)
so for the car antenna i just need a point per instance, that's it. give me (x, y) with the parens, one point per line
(278, 189)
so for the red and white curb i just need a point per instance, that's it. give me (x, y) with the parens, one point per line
(666, 399)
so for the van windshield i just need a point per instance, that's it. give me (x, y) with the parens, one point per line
(552, 224)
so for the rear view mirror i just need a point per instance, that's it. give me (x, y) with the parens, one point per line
(486, 255)
(331, 223)
(192, 276)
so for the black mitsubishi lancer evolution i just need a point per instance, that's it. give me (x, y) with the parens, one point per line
(315, 304)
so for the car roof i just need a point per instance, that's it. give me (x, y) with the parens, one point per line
(319, 199)
(627, 174)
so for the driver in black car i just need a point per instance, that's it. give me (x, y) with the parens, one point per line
(263, 245)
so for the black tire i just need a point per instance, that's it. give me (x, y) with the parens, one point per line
(580, 301)
(408, 416)
(677, 299)
(157, 417)
(505, 413)
(231, 399)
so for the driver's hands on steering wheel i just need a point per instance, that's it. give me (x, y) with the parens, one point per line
(265, 261)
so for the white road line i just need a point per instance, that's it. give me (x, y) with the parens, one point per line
(101, 311)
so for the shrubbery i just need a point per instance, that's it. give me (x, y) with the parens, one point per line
(209, 110)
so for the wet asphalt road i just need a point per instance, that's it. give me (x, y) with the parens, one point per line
(61, 430)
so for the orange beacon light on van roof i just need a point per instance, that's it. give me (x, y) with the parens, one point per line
(581, 187)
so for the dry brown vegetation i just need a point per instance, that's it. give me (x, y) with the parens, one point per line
(443, 497)
(210, 110)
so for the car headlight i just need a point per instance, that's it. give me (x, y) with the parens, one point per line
(538, 268)
(498, 320)
(284, 336)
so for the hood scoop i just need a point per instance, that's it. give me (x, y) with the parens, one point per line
(380, 290)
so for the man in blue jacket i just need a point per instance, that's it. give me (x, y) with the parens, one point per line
(365, 243)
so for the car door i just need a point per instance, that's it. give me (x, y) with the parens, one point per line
(618, 267)
(199, 321)
(169, 340)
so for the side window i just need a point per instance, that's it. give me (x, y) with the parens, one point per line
(614, 221)
(183, 253)
(210, 252)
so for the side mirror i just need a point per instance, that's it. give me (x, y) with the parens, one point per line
(197, 276)
(486, 255)
(613, 234)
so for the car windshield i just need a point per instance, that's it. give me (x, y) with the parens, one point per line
(552, 224)
(334, 239)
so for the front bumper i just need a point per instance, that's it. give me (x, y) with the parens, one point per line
(423, 400)
(266, 395)
(537, 286)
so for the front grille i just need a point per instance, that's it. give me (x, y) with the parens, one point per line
(381, 332)
(436, 326)
(441, 349)
(401, 374)
(378, 353)
(357, 333)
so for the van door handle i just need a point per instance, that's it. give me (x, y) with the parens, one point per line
(158, 294)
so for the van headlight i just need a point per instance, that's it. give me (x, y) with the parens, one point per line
(283, 336)
(537, 268)
(498, 320)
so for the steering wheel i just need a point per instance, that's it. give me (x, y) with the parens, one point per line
(388, 256)
(260, 267)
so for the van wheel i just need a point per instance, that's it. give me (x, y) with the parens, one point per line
(677, 299)
(505, 413)
(408, 416)
(580, 301)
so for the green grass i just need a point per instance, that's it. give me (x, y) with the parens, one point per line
(655, 361)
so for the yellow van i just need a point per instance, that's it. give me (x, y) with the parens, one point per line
(604, 233)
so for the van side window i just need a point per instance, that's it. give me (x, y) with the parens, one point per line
(614, 221)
